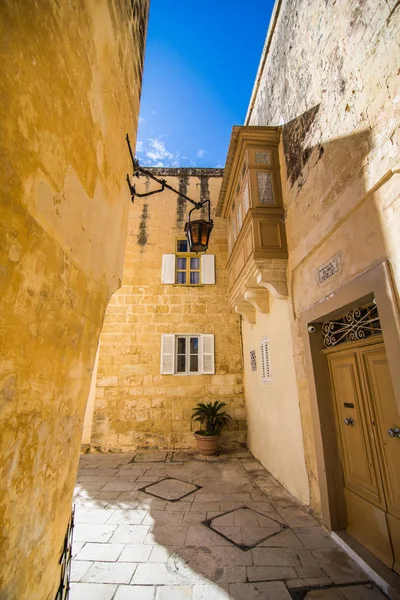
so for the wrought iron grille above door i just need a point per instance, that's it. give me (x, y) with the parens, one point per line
(359, 323)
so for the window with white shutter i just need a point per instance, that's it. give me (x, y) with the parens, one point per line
(187, 354)
(167, 354)
(187, 268)
(207, 268)
(208, 354)
(265, 360)
(168, 268)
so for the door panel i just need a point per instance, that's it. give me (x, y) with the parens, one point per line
(368, 525)
(385, 416)
(359, 458)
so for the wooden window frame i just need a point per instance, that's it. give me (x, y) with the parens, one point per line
(187, 370)
(187, 270)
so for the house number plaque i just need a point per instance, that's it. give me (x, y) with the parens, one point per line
(328, 270)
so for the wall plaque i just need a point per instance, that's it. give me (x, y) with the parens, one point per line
(328, 270)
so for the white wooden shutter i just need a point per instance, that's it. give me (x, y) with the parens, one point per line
(207, 351)
(207, 268)
(265, 361)
(167, 353)
(168, 268)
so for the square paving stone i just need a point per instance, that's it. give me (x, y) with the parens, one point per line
(149, 457)
(273, 590)
(170, 489)
(101, 572)
(92, 591)
(245, 527)
(135, 592)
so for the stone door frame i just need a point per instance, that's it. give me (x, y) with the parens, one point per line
(376, 283)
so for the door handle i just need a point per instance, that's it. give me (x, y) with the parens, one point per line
(349, 421)
(395, 432)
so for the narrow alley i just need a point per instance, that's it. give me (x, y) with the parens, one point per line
(173, 526)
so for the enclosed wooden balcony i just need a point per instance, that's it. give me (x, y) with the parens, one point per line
(251, 201)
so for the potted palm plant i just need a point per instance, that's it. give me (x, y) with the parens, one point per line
(214, 418)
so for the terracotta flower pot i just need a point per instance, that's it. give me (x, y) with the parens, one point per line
(207, 444)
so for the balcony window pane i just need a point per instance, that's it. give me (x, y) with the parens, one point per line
(181, 264)
(195, 263)
(263, 158)
(265, 188)
(246, 201)
(181, 277)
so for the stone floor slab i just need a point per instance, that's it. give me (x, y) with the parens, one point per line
(136, 553)
(79, 568)
(270, 573)
(178, 592)
(275, 590)
(127, 516)
(129, 534)
(149, 457)
(210, 592)
(135, 592)
(314, 538)
(88, 591)
(102, 572)
(339, 566)
(100, 552)
(84, 532)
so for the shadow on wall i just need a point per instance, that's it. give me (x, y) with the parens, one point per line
(336, 197)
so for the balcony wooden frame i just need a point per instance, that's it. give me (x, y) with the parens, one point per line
(258, 256)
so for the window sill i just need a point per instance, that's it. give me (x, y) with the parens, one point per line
(188, 284)
(187, 374)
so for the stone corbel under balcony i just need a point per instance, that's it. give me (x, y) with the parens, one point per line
(245, 310)
(259, 299)
(273, 278)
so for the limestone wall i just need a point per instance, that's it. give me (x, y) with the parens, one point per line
(330, 76)
(136, 406)
(274, 426)
(69, 89)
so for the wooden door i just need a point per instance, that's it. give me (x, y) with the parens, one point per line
(386, 421)
(363, 486)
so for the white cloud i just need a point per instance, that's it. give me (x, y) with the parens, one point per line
(139, 146)
(157, 154)
(141, 120)
(201, 153)
(157, 150)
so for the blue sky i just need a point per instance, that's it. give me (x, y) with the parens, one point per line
(201, 62)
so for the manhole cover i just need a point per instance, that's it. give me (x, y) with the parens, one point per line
(189, 559)
(170, 489)
(245, 527)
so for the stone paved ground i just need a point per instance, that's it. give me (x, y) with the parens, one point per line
(131, 545)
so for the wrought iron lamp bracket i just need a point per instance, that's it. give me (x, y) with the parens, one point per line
(138, 170)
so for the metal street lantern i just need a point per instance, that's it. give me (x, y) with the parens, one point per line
(197, 232)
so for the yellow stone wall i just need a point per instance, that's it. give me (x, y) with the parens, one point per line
(135, 406)
(69, 89)
(330, 77)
